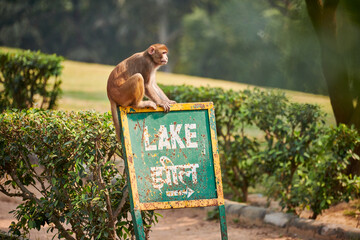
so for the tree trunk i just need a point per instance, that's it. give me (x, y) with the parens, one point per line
(323, 17)
(163, 22)
(244, 190)
(163, 28)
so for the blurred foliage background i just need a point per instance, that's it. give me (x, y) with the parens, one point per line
(266, 43)
(303, 45)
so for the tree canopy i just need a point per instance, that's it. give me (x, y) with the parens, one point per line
(266, 43)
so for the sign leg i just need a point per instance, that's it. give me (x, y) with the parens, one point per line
(138, 224)
(136, 215)
(223, 226)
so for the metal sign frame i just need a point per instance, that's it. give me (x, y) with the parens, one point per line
(136, 205)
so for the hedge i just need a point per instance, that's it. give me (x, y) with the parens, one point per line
(63, 165)
(29, 79)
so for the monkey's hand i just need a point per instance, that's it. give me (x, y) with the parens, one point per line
(172, 102)
(152, 105)
(165, 105)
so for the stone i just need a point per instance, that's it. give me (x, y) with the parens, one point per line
(253, 214)
(278, 219)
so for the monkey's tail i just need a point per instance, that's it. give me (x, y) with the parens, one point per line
(115, 118)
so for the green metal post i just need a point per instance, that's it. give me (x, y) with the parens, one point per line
(138, 225)
(135, 214)
(223, 226)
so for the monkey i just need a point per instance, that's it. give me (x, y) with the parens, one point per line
(133, 78)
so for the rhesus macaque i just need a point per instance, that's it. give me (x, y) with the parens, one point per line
(133, 78)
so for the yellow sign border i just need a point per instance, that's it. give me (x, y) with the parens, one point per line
(123, 111)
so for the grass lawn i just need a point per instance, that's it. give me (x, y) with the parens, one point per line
(84, 87)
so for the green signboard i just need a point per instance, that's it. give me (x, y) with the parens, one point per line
(172, 158)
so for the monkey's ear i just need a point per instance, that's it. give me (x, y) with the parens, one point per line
(151, 50)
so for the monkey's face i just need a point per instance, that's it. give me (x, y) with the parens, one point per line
(158, 53)
(163, 57)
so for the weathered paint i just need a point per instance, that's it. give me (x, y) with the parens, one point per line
(174, 107)
(135, 212)
(172, 158)
(217, 167)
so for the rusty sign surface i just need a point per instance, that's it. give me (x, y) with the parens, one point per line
(172, 158)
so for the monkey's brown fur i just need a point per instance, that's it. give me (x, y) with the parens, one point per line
(133, 78)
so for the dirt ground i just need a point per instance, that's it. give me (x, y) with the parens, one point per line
(333, 215)
(191, 224)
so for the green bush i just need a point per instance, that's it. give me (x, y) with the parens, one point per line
(6, 236)
(290, 132)
(263, 135)
(63, 165)
(327, 182)
(28, 78)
